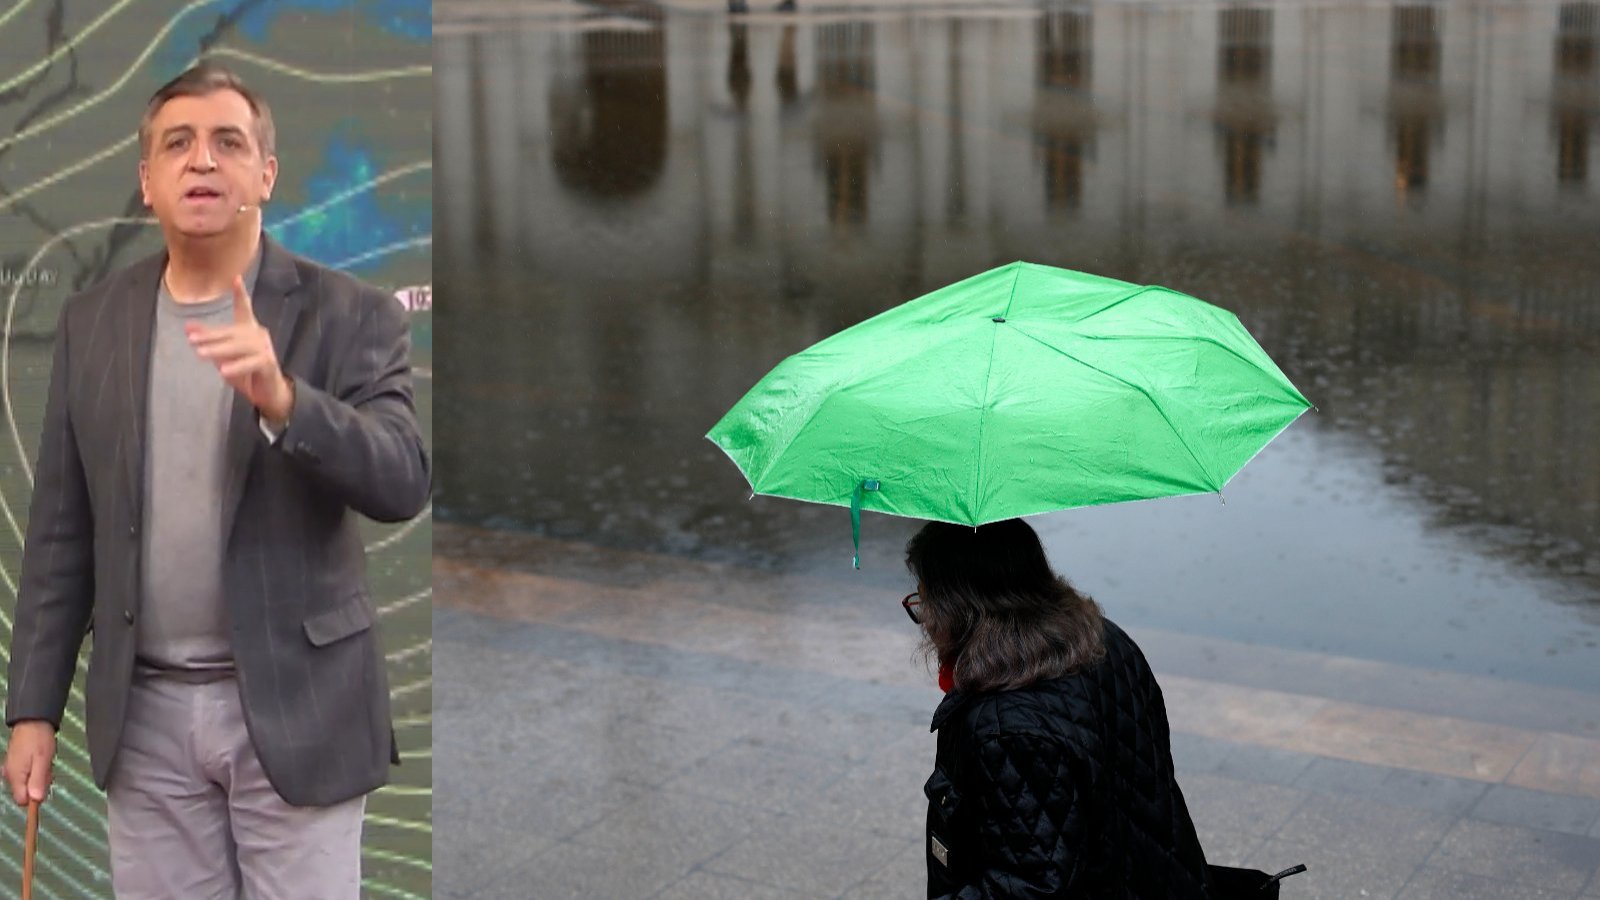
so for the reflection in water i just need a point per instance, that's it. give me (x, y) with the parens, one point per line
(787, 80)
(956, 209)
(739, 83)
(847, 122)
(1063, 105)
(610, 134)
(1577, 88)
(645, 275)
(1415, 107)
(1245, 118)
(739, 64)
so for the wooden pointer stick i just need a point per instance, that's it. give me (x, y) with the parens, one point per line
(28, 846)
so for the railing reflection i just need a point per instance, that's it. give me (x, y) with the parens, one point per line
(609, 130)
(1416, 110)
(1063, 107)
(1576, 88)
(846, 117)
(1246, 121)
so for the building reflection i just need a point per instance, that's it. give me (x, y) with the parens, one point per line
(1063, 104)
(740, 80)
(787, 78)
(956, 177)
(1416, 108)
(609, 131)
(1245, 118)
(711, 224)
(739, 77)
(847, 117)
(1576, 88)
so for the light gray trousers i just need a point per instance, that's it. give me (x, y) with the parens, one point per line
(193, 817)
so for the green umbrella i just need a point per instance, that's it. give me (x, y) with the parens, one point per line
(1021, 390)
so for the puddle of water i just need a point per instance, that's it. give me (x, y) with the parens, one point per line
(1400, 202)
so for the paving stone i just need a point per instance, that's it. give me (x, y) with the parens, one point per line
(1335, 872)
(684, 829)
(1434, 883)
(1246, 762)
(760, 776)
(567, 871)
(1364, 828)
(905, 876)
(707, 886)
(1218, 803)
(815, 857)
(552, 806)
(1548, 859)
(881, 799)
(477, 856)
(1228, 848)
(1400, 787)
(1512, 805)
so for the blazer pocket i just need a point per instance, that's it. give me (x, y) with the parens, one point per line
(353, 616)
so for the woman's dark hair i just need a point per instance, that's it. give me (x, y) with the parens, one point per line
(994, 610)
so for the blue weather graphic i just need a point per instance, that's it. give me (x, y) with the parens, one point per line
(356, 225)
(411, 20)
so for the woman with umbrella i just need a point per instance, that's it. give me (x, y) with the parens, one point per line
(1054, 773)
(1022, 390)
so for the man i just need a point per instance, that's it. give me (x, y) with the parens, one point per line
(218, 414)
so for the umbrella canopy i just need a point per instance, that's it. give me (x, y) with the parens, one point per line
(1021, 390)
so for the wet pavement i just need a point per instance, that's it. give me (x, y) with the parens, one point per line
(1380, 654)
(625, 724)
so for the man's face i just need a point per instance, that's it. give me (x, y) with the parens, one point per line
(203, 162)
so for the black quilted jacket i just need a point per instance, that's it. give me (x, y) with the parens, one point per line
(1061, 789)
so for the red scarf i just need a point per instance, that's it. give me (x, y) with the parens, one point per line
(947, 677)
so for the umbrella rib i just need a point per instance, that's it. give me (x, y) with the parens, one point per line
(983, 416)
(1147, 395)
(834, 388)
(1118, 302)
(1193, 337)
(773, 463)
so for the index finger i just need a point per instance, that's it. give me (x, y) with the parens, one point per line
(39, 781)
(242, 311)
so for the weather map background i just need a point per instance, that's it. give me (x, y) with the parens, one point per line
(349, 83)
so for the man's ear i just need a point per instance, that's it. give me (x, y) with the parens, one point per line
(144, 181)
(269, 177)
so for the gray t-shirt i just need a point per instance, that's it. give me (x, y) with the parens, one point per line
(183, 622)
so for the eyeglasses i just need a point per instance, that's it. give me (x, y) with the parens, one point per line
(911, 602)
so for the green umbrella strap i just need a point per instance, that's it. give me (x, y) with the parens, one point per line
(855, 515)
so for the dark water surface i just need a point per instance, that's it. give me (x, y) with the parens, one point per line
(637, 219)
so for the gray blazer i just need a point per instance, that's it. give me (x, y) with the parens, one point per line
(310, 668)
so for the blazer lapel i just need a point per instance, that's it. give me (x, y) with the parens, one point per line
(137, 310)
(277, 300)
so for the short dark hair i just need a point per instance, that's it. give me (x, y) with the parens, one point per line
(203, 78)
(993, 609)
